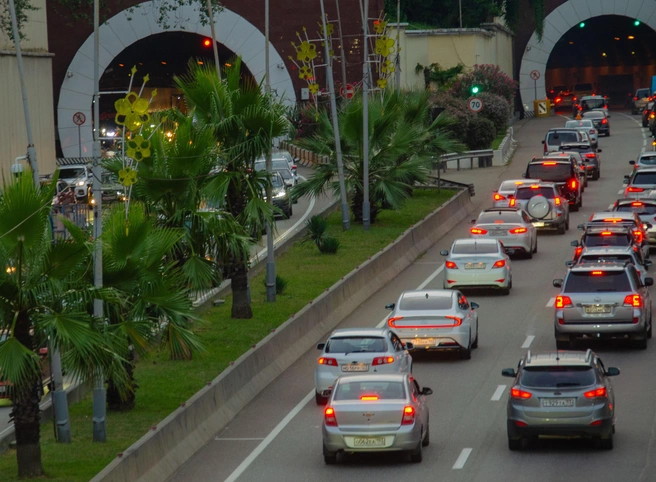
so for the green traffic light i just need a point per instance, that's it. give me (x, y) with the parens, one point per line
(474, 89)
(636, 23)
(582, 24)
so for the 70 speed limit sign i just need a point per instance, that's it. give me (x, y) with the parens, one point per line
(475, 104)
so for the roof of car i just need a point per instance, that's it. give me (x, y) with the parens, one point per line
(382, 377)
(436, 293)
(578, 358)
(629, 216)
(609, 250)
(646, 169)
(565, 145)
(650, 201)
(500, 210)
(537, 183)
(358, 332)
(562, 129)
(465, 241)
(585, 97)
(613, 228)
(607, 266)
(537, 160)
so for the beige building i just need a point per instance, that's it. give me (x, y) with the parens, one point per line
(490, 44)
(38, 73)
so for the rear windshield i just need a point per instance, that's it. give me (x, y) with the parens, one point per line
(558, 377)
(381, 389)
(614, 239)
(557, 138)
(593, 103)
(587, 282)
(356, 344)
(578, 124)
(425, 302)
(547, 192)
(585, 86)
(644, 178)
(560, 172)
(605, 258)
(641, 210)
(475, 248)
(642, 93)
(595, 114)
(492, 218)
(560, 88)
(647, 160)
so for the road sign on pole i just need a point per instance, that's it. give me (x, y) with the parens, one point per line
(475, 104)
(535, 75)
(350, 91)
(79, 119)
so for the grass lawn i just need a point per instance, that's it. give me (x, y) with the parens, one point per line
(497, 140)
(165, 384)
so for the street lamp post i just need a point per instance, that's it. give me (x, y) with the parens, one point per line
(210, 14)
(366, 207)
(342, 51)
(271, 262)
(397, 73)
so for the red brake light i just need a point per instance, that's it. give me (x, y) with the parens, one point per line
(597, 273)
(294, 166)
(328, 361)
(634, 189)
(499, 197)
(329, 417)
(478, 231)
(638, 236)
(512, 202)
(450, 265)
(590, 155)
(606, 233)
(369, 398)
(563, 301)
(635, 98)
(548, 163)
(535, 186)
(499, 264)
(391, 322)
(596, 393)
(558, 99)
(383, 360)
(633, 300)
(517, 393)
(518, 230)
(572, 184)
(613, 220)
(637, 203)
(408, 415)
(604, 121)
(578, 251)
(456, 321)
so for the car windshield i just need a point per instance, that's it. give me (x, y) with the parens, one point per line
(594, 114)
(594, 281)
(557, 376)
(605, 258)
(276, 181)
(356, 344)
(584, 86)
(639, 208)
(557, 138)
(644, 178)
(613, 239)
(424, 302)
(70, 172)
(593, 104)
(578, 124)
(376, 390)
(475, 248)
(499, 218)
(557, 172)
(647, 160)
(547, 192)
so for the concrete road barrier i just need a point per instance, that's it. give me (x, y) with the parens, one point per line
(160, 452)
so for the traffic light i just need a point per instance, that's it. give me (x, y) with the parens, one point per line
(582, 24)
(207, 42)
(636, 22)
(475, 89)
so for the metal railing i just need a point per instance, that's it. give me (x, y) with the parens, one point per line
(79, 214)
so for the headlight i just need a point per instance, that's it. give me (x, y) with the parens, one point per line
(280, 194)
(80, 183)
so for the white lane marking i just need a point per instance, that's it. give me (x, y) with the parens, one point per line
(269, 438)
(551, 302)
(528, 341)
(620, 191)
(643, 130)
(498, 393)
(462, 459)
(233, 439)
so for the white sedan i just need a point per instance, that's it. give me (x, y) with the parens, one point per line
(481, 263)
(511, 226)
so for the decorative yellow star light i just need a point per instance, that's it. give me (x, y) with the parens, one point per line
(127, 176)
(382, 83)
(384, 46)
(131, 111)
(314, 88)
(304, 72)
(387, 67)
(379, 26)
(306, 52)
(138, 148)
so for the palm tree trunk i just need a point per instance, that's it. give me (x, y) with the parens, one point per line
(241, 305)
(116, 402)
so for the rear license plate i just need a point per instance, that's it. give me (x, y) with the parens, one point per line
(423, 341)
(474, 265)
(369, 441)
(557, 402)
(359, 367)
(499, 233)
(597, 309)
(539, 224)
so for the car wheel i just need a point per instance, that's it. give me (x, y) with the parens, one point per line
(645, 124)
(606, 443)
(562, 228)
(608, 134)
(529, 254)
(417, 455)
(320, 399)
(575, 207)
(515, 444)
(475, 342)
(567, 223)
(596, 175)
(535, 248)
(562, 345)
(426, 441)
(571, 344)
(641, 343)
(465, 353)
(649, 330)
(329, 458)
(505, 291)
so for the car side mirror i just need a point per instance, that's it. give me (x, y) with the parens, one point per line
(474, 305)
(599, 150)
(524, 175)
(649, 225)
(542, 141)
(608, 116)
(574, 243)
(626, 178)
(473, 221)
(321, 346)
(390, 306)
(444, 252)
(558, 283)
(409, 345)
(508, 372)
(569, 264)
(581, 227)
(612, 372)
(426, 391)
(632, 163)
(648, 263)
(649, 281)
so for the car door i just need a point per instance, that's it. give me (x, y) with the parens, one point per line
(400, 352)
(601, 373)
(469, 315)
(531, 229)
(420, 402)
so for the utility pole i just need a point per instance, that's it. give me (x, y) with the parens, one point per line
(271, 262)
(397, 72)
(342, 53)
(460, 10)
(58, 397)
(366, 207)
(99, 393)
(210, 14)
(346, 221)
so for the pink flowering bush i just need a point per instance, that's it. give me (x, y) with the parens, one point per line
(489, 78)
(496, 109)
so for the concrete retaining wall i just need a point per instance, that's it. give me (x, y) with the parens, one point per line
(161, 451)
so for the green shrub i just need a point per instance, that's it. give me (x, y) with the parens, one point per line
(316, 232)
(496, 109)
(458, 111)
(481, 133)
(329, 245)
(281, 284)
(488, 78)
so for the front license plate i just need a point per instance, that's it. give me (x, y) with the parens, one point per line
(359, 367)
(557, 402)
(474, 265)
(369, 441)
(597, 309)
(423, 341)
(539, 224)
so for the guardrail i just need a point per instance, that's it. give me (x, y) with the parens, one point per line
(304, 156)
(483, 158)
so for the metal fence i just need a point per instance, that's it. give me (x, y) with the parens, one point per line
(79, 214)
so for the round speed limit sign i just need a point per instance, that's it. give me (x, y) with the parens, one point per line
(475, 104)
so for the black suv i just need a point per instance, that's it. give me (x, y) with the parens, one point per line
(560, 172)
(603, 236)
(589, 156)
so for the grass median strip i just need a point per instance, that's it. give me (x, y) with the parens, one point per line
(165, 384)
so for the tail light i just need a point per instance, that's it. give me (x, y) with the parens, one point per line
(637, 235)
(578, 251)
(450, 265)
(597, 273)
(548, 163)
(635, 98)
(328, 361)
(557, 201)
(478, 231)
(558, 99)
(637, 204)
(596, 393)
(652, 115)
(604, 121)
(563, 301)
(512, 203)
(634, 189)
(391, 322)
(499, 197)
(572, 184)
(518, 231)
(633, 300)
(369, 398)
(408, 415)
(383, 360)
(590, 155)
(499, 264)
(294, 167)
(521, 394)
(329, 417)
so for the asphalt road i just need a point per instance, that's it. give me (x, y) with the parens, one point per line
(278, 438)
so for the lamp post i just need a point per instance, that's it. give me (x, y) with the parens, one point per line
(210, 14)
(397, 73)
(366, 207)
(271, 262)
(342, 49)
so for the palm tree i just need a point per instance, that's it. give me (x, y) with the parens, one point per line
(244, 121)
(403, 141)
(45, 300)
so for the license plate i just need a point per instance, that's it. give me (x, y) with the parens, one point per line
(474, 265)
(596, 309)
(539, 225)
(369, 441)
(499, 233)
(423, 341)
(557, 402)
(360, 367)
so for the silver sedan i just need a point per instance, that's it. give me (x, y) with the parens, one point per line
(511, 226)
(502, 196)
(376, 413)
(436, 320)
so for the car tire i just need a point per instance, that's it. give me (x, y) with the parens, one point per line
(562, 345)
(529, 253)
(606, 443)
(417, 455)
(320, 399)
(649, 330)
(515, 444)
(329, 458)
(465, 353)
(562, 228)
(596, 175)
(641, 343)
(475, 342)
(575, 207)
(535, 248)
(608, 134)
(645, 124)
(426, 441)
(505, 291)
